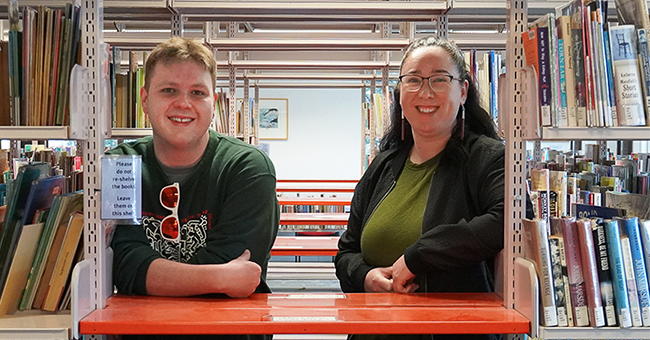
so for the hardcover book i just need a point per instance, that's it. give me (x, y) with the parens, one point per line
(619, 282)
(537, 250)
(574, 267)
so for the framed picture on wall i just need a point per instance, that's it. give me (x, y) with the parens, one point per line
(274, 118)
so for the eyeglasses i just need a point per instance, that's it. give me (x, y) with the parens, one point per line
(169, 198)
(438, 82)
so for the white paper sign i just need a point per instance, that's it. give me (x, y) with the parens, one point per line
(121, 187)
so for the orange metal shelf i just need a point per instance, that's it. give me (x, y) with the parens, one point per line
(314, 218)
(305, 246)
(307, 314)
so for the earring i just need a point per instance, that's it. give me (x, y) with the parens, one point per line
(402, 125)
(462, 121)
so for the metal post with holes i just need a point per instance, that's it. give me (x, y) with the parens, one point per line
(515, 163)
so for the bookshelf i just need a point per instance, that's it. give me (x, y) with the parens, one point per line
(519, 273)
(97, 274)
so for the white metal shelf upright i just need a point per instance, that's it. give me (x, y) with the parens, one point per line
(515, 162)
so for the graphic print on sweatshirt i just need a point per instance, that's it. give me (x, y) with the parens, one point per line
(194, 233)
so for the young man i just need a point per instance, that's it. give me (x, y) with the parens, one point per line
(209, 208)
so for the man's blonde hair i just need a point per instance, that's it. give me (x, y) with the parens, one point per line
(180, 49)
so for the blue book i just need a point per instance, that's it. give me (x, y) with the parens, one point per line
(640, 276)
(590, 211)
(621, 301)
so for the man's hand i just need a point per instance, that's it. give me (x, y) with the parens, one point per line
(403, 278)
(241, 276)
(378, 280)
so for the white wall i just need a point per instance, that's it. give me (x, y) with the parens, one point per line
(324, 134)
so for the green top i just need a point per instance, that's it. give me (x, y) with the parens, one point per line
(397, 221)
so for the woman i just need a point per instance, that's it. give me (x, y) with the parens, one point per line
(427, 216)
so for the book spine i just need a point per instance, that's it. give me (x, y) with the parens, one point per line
(604, 276)
(639, 268)
(563, 118)
(644, 62)
(555, 243)
(574, 267)
(590, 273)
(537, 249)
(619, 282)
(544, 75)
(610, 78)
(628, 268)
(644, 231)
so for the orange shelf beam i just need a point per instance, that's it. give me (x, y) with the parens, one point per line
(308, 314)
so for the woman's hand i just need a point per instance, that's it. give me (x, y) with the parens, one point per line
(378, 280)
(402, 277)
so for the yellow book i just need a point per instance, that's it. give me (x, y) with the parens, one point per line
(64, 263)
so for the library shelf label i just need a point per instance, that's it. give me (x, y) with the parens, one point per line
(121, 187)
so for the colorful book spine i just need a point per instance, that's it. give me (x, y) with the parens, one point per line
(574, 267)
(604, 275)
(639, 267)
(590, 273)
(644, 230)
(610, 78)
(619, 282)
(632, 292)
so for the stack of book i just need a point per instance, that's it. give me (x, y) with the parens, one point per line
(40, 240)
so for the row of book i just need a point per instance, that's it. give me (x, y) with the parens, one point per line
(126, 83)
(592, 271)
(557, 193)
(40, 55)
(590, 72)
(40, 240)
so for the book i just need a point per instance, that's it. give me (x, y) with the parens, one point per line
(537, 250)
(634, 204)
(536, 48)
(25, 250)
(619, 282)
(639, 267)
(590, 273)
(556, 234)
(5, 105)
(18, 193)
(627, 78)
(55, 228)
(628, 264)
(586, 210)
(577, 287)
(63, 266)
(644, 65)
(557, 267)
(540, 182)
(644, 231)
(563, 24)
(41, 195)
(604, 275)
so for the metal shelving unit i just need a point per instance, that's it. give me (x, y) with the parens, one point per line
(520, 274)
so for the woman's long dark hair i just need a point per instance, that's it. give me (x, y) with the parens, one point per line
(477, 120)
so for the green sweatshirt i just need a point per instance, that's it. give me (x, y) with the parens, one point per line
(226, 206)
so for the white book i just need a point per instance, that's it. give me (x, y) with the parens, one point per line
(627, 77)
